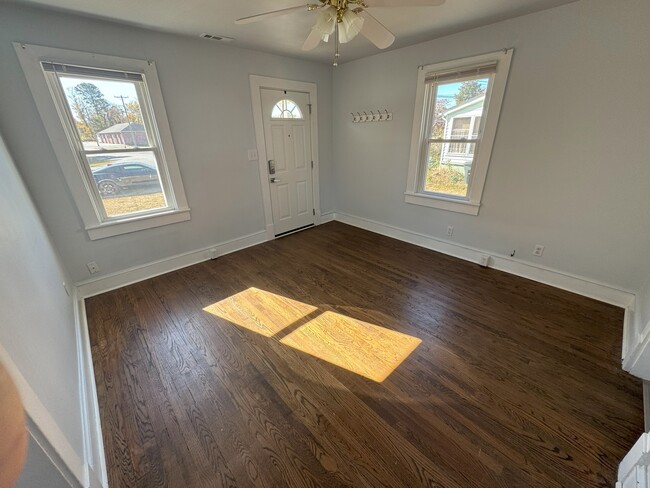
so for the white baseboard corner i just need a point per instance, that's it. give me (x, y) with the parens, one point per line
(135, 274)
(327, 217)
(565, 281)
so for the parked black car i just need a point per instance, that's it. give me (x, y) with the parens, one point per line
(115, 178)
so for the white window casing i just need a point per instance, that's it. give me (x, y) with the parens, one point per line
(38, 65)
(494, 65)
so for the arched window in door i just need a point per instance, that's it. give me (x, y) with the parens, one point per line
(286, 109)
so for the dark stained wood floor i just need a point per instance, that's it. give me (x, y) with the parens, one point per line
(515, 384)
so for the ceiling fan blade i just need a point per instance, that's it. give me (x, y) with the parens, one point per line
(312, 41)
(405, 3)
(276, 13)
(375, 31)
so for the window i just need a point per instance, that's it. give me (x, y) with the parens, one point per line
(286, 109)
(107, 123)
(456, 115)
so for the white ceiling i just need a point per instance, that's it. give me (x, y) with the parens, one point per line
(285, 35)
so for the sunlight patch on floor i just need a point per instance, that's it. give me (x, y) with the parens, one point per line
(260, 311)
(366, 349)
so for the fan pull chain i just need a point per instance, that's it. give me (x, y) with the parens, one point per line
(336, 45)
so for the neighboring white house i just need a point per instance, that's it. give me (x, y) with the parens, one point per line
(462, 121)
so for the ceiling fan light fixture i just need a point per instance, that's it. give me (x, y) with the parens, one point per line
(345, 19)
(326, 22)
(350, 26)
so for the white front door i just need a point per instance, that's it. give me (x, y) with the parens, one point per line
(287, 136)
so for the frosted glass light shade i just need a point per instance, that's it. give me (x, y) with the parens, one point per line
(350, 25)
(326, 22)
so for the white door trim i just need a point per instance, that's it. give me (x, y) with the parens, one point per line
(257, 83)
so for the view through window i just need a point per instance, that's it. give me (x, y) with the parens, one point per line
(116, 141)
(457, 109)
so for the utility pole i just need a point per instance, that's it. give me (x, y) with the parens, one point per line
(126, 112)
(126, 117)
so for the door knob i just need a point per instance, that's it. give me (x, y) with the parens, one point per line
(275, 180)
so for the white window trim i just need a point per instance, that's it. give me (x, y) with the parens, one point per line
(471, 204)
(30, 57)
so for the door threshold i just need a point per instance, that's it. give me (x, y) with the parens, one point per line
(282, 234)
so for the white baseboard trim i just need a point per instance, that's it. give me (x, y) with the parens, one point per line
(327, 217)
(96, 475)
(44, 422)
(558, 279)
(629, 342)
(132, 275)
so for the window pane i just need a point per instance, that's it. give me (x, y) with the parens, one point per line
(128, 183)
(457, 105)
(446, 172)
(106, 113)
(286, 109)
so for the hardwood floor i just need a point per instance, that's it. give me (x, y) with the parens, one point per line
(211, 376)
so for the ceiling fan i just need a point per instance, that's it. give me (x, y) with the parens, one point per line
(344, 19)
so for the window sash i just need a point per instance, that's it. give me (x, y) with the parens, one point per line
(69, 125)
(432, 80)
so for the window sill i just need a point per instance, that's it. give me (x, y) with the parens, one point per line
(135, 224)
(451, 204)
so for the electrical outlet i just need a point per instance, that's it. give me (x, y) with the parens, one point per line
(252, 155)
(538, 251)
(93, 267)
(450, 230)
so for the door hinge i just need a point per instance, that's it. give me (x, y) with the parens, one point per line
(309, 105)
(313, 210)
(312, 165)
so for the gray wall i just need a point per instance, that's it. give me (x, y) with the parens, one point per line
(570, 167)
(207, 96)
(36, 315)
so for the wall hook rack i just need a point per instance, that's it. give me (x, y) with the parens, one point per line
(378, 116)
